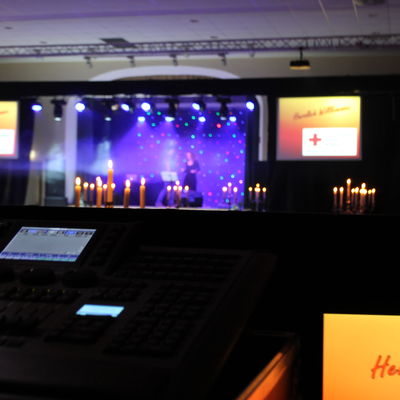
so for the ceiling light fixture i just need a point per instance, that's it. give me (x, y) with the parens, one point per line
(58, 109)
(301, 63)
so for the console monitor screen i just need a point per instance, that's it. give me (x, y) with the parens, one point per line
(361, 357)
(8, 129)
(47, 244)
(319, 128)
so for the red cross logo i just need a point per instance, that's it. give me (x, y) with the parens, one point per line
(315, 139)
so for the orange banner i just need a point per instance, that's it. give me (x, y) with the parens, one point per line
(318, 128)
(8, 129)
(361, 357)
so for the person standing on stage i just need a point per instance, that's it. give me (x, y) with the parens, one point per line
(191, 169)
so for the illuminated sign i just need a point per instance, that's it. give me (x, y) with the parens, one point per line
(8, 129)
(361, 357)
(319, 128)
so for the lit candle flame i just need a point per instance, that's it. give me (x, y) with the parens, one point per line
(142, 181)
(86, 185)
(91, 186)
(78, 181)
(128, 183)
(110, 164)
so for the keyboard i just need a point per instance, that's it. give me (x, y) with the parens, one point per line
(87, 309)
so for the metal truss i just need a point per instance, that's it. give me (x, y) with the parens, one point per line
(204, 47)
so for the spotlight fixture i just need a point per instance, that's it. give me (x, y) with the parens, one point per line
(109, 108)
(146, 106)
(300, 64)
(199, 105)
(36, 106)
(127, 105)
(58, 109)
(250, 105)
(223, 110)
(172, 108)
(80, 106)
(88, 61)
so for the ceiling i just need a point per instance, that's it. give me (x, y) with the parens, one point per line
(45, 24)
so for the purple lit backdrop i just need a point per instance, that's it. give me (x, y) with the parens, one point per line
(144, 149)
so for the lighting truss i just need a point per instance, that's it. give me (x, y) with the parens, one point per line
(203, 47)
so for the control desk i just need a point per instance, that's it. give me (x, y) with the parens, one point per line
(87, 310)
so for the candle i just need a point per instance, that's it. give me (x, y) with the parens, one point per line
(363, 193)
(179, 191)
(91, 196)
(175, 189)
(348, 195)
(229, 187)
(110, 174)
(99, 192)
(85, 192)
(127, 193)
(77, 191)
(335, 193)
(264, 193)
(250, 194)
(257, 191)
(142, 193)
(341, 190)
(356, 198)
(373, 198)
(112, 194)
(105, 187)
(235, 190)
(224, 191)
(169, 188)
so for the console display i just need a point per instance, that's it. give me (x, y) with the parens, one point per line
(47, 244)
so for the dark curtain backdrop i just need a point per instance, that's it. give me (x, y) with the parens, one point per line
(14, 172)
(306, 186)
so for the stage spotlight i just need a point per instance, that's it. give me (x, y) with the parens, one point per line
(250, 105)
(202, 118)
(223, 111)
(232, 118)
(199, 105)
(141, 118)
(109, 108)
(145, 106)
(36, 107)
(80, 106)
(127, 106)
(172, 108)
(58, 109)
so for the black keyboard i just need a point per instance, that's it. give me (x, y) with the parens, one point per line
(122, 321)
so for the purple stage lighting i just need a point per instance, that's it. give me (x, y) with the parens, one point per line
(80, 106)
(146, 106)
(250, 105)
(37, 107)
(232, 118)
(141, 118)
(202, 118)
(125, 107)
